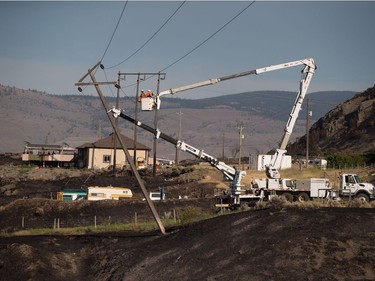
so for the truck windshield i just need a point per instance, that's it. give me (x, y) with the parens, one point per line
(356, 179)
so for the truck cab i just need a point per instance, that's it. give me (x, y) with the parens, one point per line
(351, 186)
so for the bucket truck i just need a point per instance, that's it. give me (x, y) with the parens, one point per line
(272, 169)
(236, 193)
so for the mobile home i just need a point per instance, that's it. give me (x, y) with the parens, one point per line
(95, 193)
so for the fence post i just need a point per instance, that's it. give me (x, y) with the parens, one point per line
(135, 218)
(23, 222)
(95, 222)
(174, 215)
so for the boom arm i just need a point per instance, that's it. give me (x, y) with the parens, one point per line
(151, 102)
(229, 172)
(272, 170)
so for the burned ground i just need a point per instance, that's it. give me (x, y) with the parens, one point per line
(268, 244)
(291, 244)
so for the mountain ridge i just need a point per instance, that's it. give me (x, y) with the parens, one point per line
(210, 123)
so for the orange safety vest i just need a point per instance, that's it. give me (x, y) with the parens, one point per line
(143, 95)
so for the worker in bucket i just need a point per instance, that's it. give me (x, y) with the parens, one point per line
(149, 93)
(143, 95)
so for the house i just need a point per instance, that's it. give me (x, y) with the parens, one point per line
(101, 154)
(49, 154)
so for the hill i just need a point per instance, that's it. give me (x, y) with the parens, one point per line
(212, 124)
(349, 127)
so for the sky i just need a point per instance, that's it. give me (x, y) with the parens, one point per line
(49, 45)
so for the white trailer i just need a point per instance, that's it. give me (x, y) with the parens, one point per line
(96, 193)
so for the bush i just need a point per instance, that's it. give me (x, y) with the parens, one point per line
(192, 214)
(358, 203)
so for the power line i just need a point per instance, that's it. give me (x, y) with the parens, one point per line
(144, 44)
(212, 35)
(204, 41)
(114, 31)
(110, 41)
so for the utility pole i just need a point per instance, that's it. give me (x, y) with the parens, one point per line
(116, 122)
(161, 76)
(99, 129)
(140, 76)
(122, 143)
(179, 137)
(241, 138)
(308, 114)
(223, 153)
(136, 118)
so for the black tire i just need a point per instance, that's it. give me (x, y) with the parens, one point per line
(302, 197)
(288, 196)
(363, 196)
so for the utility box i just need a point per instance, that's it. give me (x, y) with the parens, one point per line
(318, 187)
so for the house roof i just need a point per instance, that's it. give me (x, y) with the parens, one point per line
(108, 143)
(48, 146)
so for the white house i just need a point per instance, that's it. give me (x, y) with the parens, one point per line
(101, 154)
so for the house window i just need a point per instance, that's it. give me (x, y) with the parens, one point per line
(106, 158)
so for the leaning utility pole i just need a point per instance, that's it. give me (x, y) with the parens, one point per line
(90, 73)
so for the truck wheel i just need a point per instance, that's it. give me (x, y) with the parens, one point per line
(303, 197)
(363, 197)
(287, 196)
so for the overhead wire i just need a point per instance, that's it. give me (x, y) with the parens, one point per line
(204, 41)
(114, 31)
(148, 40)
(212, 35)
(110, 41)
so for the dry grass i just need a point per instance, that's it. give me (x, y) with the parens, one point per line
(279, 203)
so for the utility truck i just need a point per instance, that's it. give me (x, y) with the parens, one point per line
(352, 187)
(236, 193)
(294, 190)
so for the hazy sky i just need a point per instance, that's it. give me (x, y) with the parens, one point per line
(48, 45)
